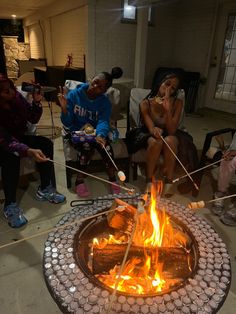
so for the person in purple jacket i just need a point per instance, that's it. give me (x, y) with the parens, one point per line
(15, 114)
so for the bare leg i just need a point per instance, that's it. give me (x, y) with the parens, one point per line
(169, 158)
(153, 153)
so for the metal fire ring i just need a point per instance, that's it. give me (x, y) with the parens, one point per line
(72, 290)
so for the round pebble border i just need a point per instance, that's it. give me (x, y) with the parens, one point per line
(205, 292)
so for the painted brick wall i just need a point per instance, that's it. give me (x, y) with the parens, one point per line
(69, 36)
(114, 41)
(36, 41)
(181, 36)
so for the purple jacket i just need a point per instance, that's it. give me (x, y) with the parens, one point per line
(13, 124)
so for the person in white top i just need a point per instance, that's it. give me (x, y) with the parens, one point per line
(226, 171)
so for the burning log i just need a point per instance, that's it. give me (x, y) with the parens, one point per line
(176, 260)
(123, 217)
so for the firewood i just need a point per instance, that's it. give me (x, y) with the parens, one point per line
(173, 258)
(123, 217)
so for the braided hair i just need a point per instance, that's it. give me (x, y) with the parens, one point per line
(162, 78)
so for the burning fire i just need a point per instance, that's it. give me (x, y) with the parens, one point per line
(157, 246)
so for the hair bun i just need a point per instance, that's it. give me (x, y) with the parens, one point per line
(116, 72)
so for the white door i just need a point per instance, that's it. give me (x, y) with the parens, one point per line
(221, 82)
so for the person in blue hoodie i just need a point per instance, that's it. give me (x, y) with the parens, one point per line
(88, 106)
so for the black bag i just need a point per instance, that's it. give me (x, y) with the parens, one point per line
(187, 151)
(136, 139)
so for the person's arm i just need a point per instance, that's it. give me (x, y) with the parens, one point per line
(34, 109)
(67, 103)
(145, 113)
(11, 144)
(103, 125)
(231, 152)
(173, 119)
(233, 143)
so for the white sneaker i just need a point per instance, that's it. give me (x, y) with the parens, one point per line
(218, 205)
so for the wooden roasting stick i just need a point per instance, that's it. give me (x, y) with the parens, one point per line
(201, 204)
(120, 174)
(207, 166)
(91, 175)
(187, 174)
(123, 263)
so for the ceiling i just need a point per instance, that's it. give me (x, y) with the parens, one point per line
(21, 8)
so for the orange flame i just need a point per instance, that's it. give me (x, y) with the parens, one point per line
(142, 275)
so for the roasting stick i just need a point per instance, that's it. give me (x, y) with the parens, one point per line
(93, 176)
(201, 204)
(57, 228)
(123, 263)
(207, 166)
(120, 174)
(187, 174)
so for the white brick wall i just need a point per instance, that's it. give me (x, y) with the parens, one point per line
(36, 41)
(69, 33)
(114, 41)
(181, 36)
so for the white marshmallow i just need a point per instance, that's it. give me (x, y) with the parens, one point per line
(121, 175)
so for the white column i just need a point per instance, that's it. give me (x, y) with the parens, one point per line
(91, 47)
(48, 41)
(141, 46)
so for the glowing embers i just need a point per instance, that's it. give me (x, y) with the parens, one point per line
(162, 255)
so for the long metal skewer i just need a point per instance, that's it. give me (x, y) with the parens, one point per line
(207, 166)
(123, 262)
(221, 198)
(103, 146)
(201, 204)
(195, 185)
(91, 175)
(57, 228)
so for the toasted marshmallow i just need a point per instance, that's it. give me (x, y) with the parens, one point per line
(121, 176)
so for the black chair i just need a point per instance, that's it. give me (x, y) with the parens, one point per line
(204, 159)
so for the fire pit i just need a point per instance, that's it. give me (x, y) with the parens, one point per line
(80, 266)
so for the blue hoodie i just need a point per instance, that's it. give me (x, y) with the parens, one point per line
(82, 110)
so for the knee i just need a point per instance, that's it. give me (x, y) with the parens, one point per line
(155, 144)
(172, 141)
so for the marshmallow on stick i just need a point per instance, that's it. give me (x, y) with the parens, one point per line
(201, 204)
(121, 176)
(196, 205)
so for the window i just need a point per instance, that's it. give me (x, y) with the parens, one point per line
(130, 12)
(226, 81)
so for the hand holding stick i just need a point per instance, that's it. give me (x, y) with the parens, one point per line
(91, 175)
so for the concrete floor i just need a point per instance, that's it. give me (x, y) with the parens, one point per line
(22, 286)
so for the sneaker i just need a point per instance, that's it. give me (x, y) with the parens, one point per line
(218, 207)
(82, 190)
(229, 217)
(50, 194)
(115, 189)
(14, 216)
